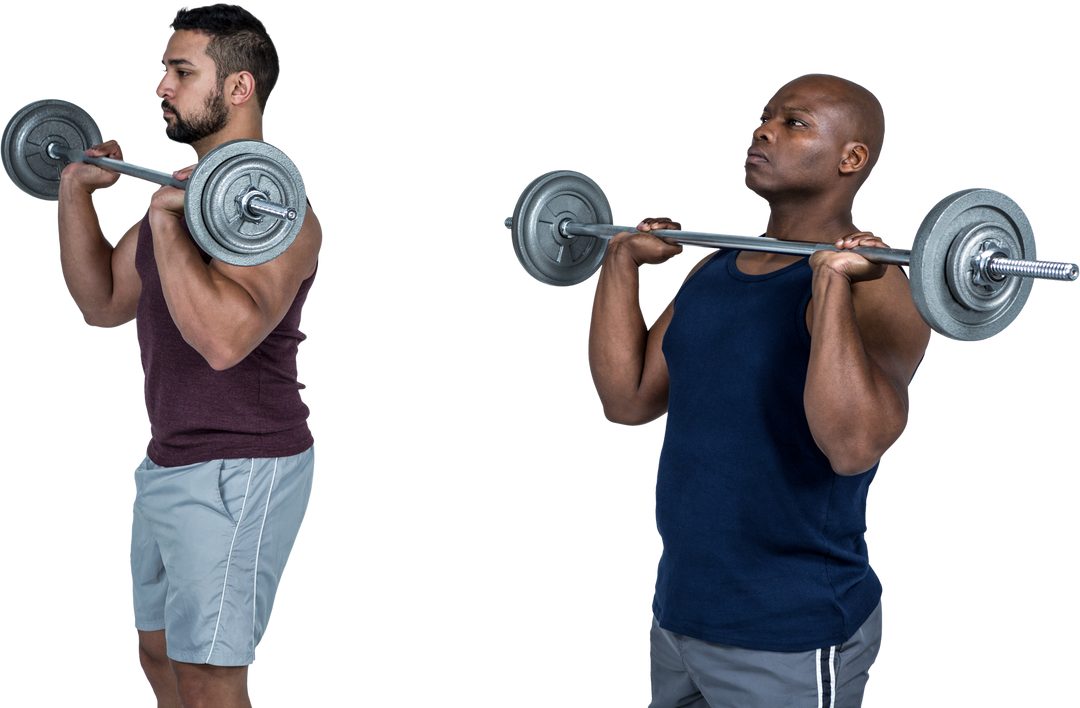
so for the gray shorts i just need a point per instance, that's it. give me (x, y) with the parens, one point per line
(691, 673)
(209, 543)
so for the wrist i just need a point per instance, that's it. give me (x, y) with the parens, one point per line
(829, 270)
(621, 255)
(70, 187)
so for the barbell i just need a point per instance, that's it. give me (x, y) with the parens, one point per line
(971, 264)
(244, 203)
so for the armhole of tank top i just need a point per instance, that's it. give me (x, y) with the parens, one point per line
(691, 272)
(704, 260)
(800, 316)
(714, 258)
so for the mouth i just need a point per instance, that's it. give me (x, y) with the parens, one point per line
(167, 110)
(755, 157)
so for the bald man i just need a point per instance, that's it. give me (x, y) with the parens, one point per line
(785, 380)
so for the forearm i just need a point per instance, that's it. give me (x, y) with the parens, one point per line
(86, 258)
(854, 410)
(214, 314)
(618, 341)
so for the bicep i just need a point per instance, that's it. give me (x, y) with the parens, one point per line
(126, 283)
(654, 374)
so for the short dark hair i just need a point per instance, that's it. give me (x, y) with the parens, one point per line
(238, 42)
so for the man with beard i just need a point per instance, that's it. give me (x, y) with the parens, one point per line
(785, 381)
(225, 483)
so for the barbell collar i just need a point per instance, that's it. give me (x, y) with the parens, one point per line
(887, 256)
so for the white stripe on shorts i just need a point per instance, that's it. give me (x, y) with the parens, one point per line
(826, 686)
(225, 583)
(255, 581)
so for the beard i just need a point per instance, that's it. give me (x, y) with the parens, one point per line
(214, 117)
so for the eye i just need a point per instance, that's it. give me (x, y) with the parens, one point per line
(794, 122)
(162, 70)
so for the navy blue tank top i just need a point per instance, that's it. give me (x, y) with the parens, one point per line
(763, 542)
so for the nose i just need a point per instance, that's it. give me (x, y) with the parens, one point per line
(164, 88)
(765, 132)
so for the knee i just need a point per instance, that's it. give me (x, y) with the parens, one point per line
(153, 658)
(206, 686)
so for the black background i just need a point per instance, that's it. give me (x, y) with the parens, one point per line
(476, 520)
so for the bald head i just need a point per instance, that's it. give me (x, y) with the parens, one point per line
(863, 119)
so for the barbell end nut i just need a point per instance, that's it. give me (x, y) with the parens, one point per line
(509, 222)
(1071, 275)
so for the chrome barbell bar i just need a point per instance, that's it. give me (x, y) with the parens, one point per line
(252, 203)
(993, 266)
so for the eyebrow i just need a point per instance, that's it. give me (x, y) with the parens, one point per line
(177, 62)
(796, 109)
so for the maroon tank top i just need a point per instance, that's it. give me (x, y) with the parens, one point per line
(198, 414)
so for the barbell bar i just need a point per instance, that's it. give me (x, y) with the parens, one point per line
(237, 200)
(992, 264)
(253, 203)
(971, 264)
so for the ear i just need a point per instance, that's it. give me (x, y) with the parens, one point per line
(856, 157)
(240, 87)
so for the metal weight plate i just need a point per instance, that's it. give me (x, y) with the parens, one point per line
(27, 138)
(214, 215)
(942, 275)
(548, 201)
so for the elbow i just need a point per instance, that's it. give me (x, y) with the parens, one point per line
(219, 353)
(222, 364)
(855, 454)
(854, 457)
(852, 466)
(222, 359)
(630, 414)
(102, 318)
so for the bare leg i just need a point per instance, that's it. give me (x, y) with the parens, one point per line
(158, 670)
(207, 686)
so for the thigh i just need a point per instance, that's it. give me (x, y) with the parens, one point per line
(672, 685)
(855, 657)
(830, 677)
(149, 584)
(224, 529)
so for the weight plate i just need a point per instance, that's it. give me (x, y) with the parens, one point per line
(942, 274)
(213, 212)
(27, 138)
(548, 201)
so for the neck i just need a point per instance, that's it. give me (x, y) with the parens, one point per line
(240, 127)
(818, 219)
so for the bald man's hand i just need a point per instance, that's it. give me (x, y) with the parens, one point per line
(645, 247)
(849, 264)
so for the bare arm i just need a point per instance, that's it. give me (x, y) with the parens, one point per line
(626, 358)
(101, 278)
(866, 340)
(225, 311)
